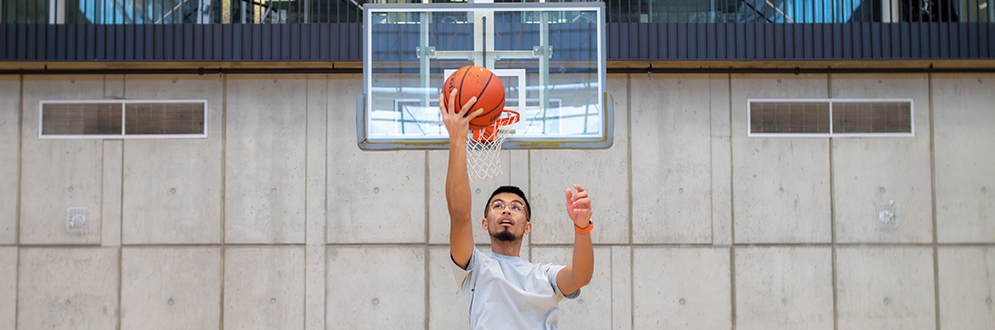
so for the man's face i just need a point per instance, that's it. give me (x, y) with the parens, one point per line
(506, 218)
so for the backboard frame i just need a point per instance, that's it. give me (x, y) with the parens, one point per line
(365, 102)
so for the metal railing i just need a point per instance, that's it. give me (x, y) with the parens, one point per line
(619, 11)
(798, 11)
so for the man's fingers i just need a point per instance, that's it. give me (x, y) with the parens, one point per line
(579, 195)
(468, 106)
(442, 105)
(452, 101)
(474, 114)
(569, 194)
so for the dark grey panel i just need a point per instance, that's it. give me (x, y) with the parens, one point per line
(626, 41)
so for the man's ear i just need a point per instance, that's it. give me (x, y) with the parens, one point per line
(528, 228)
(483, 224)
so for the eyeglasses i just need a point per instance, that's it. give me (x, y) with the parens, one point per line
(498, 206)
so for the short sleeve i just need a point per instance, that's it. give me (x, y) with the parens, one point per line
(460, 273)
(551, 272)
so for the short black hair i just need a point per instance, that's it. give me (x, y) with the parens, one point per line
(513, 190)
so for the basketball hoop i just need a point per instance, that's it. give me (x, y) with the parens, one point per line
(483, 148)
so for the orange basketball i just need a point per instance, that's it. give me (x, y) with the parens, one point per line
(470, 81)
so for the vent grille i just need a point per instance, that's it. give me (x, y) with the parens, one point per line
(789, 117)
(81, 119)
(164, 118)
(116, 119)
(830, 117)
(872, 117)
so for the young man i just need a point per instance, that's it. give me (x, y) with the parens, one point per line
(503, 291)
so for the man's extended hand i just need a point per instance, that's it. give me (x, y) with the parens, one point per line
(458, 121)
(579, 207)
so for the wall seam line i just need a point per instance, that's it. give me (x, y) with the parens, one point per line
(732, 217)
(307, 215)
(632, 252)
(711, 164)
(932, 178)
(732, 285)
(628, 136)
(551, 245)
(425, 251)
(120, 232)
(324, 207)
(732, 169)
(224, 172)
(17, 220)
(832, 214)
(611, 287)
(103, 168)
(529, 160)
(124, 92)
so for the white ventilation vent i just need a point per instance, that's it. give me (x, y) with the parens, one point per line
(122, 119)
(830, 117)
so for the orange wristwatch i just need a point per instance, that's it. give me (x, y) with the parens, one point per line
(585, 230)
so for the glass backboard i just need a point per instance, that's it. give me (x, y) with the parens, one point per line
(550, 58)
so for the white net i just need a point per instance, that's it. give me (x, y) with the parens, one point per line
(483, 154)
(483, 148)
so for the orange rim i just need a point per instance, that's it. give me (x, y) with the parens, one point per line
(487, 134)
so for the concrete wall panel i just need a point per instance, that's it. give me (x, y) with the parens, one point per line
(480, 191)
(264, 287)
(10, 130)
(689, 287)
(671, 164)
(780, 185)
(317, 137)
(58, 174)
(967, 289)
(110, 212)
(446, 306)
(621, 287)
(265, 163)
(593, 309)
(721, 172)
(373, 197)
(873, 170)
(721, 208)
(375, 287)
(964, 156)
(171, 288)
(314, 277)
(784, 288)
(885, 288)
(602, 172)
(8, 287)
(317, 149)
(68, 288)
(113, 174)
(173, 187)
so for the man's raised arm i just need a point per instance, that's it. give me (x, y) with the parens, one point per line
(457, 179)
(579, 272)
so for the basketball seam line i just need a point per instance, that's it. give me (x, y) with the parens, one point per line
(459, 92)
(482, 90)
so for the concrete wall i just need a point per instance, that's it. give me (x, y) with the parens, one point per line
(278, 221)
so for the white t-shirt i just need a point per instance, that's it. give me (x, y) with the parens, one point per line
(504, 292)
